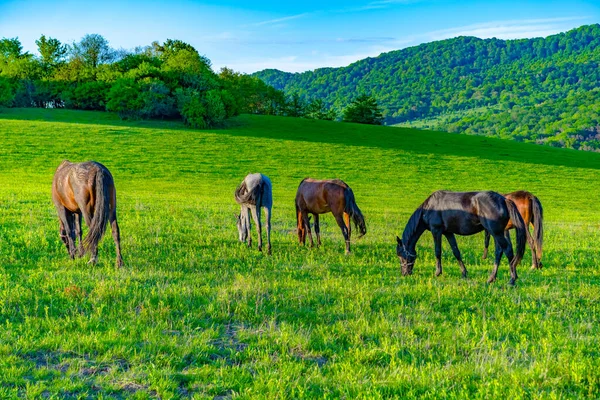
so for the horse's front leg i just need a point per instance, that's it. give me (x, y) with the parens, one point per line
(452, 241)
(256, 216)
(248, 227)
(437, 240)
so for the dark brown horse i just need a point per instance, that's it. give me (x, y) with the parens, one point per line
(531, 210)
(319, 197)
(463, 213)
(85, 189)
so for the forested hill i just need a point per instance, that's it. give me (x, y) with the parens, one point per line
(542, 89)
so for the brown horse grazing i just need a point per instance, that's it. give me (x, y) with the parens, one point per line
(463, 213)
(85, 189)
(320, 197)
(530, 208)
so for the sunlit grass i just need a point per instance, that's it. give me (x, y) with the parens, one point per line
(196, 314)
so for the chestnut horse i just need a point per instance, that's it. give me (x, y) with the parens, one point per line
(85, 189)
(463, 213)
(323, 196)
(531, 210)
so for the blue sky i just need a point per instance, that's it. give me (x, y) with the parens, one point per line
(295, 36)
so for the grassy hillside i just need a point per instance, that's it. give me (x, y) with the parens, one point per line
(196, 314)
(539, 89)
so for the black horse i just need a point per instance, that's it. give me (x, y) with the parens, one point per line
(463, 213)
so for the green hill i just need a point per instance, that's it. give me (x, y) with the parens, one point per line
(542, 89)
(196, 314)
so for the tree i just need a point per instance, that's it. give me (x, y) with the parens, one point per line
(363, 110)
(317, 109)
(93, 50)
(295, 106)
(6, 95)
(51, 52)
(10, 48)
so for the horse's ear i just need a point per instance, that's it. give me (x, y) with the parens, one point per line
(399, 240)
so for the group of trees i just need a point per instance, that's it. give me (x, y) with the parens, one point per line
(363, 110)
(516, 80)
(162, 81)
(168, 80)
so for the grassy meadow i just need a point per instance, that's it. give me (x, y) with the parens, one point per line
(195, 314)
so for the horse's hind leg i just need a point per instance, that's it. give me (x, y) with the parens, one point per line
(340, 221)
(306, 223)
(268, 220)
(116, 233)
(67, 229)
(452, 241)
(256, 216)
(498, 257)
(508, 250)
(486, 244)
(530, 241)
(348, 225)
(317, 229)
(79, 234)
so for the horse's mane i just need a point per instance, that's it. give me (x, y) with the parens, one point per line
(411, 225)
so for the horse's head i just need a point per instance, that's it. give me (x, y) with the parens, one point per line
(407, 259)
(241, 226)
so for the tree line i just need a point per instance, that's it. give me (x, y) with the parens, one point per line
(516, 80)
(169, 80)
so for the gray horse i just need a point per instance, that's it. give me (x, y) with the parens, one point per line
(252, 194)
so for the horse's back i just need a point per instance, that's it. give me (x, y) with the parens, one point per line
(258, 181)
(320, 196)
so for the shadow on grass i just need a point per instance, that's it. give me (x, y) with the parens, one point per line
(306, 130)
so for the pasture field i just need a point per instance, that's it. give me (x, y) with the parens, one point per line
(195, 314)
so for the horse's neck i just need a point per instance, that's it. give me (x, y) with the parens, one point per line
(415, 235)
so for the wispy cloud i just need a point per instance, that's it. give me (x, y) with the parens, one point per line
(512, 29)
(375, 5)
(301, 64)
(279, 20)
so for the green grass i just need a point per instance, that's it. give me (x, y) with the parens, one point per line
(195, 314)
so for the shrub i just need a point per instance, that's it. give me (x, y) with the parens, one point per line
(123, 98)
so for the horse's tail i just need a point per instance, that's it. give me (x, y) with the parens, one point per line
(521, 229)
(354, 212)
(245, 196)
(101, 211)
(538, 219)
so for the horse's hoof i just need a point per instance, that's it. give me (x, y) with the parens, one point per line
(512, 282)
(491, 279)
(259, 248)
(438, 272)
(464, 275)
